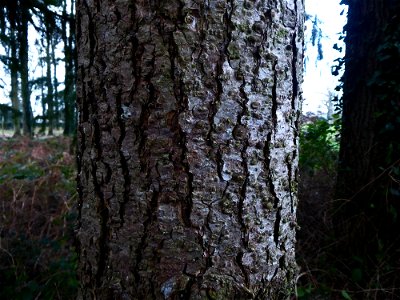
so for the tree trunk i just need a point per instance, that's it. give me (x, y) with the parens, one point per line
(369, 167)
(49, 85)
(56, 103)
(188, 127)
(14, 80)
(23, 57)
(69, 99)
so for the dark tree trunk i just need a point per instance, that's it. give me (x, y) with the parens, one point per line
(43, 126)
(24, 70)
(56, 104)
(14, 67)
(9, 28)
(368, 177)
(49, 85)
(69, 95)
(188, 115)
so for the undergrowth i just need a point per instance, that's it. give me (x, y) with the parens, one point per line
(324, 273)
(37, 195)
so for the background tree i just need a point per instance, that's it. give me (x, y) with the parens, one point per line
(188, 120)
(46, 18)
(24, 16)
(69, 95)
(10, 43)
(369, 165)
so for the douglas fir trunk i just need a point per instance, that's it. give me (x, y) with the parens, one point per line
(188, 119)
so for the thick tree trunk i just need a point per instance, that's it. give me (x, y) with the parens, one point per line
(370, 142)
(188, 115)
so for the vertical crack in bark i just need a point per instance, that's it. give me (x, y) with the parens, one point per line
(295, 83)
(239, 262)
(123, 161)
(257, 58)
(206, 244)
(267, 165)
(187, 291)
(277, 225)
(143, 156)
(244, 229)
(274, 96)
(144, 116)
(102, 207)
(220, 164)
(243, 189)
(223, 55)
(295, 86)
(291, 181)
(267, 154)
(189, 201)
(91, 33)
(142, 244)
(182, 105)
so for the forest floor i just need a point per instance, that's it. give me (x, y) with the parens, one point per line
(38, 214)
(37, 198)
(323, 273)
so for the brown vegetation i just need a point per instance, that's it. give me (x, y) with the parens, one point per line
(37, 192)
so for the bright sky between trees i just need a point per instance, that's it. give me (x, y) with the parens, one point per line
(318, 80)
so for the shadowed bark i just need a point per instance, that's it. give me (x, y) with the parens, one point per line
(368, 185)
(188, 116)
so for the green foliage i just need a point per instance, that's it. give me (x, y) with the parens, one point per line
(304, 291)
(345, 295)
(319, 146)
(26, 273)
(19, 171)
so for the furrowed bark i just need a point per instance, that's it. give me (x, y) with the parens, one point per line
(188, 148)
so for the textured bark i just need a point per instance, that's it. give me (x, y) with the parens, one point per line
(188, 123)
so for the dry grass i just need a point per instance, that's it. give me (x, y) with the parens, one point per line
(37, 195)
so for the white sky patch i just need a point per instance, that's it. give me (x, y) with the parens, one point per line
(35, 71)
(318, 79)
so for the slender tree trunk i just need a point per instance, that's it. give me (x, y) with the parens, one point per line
(44, 107)
(14, 81)
(49, 85)
(188, 115)
(69, 95)
(24, 70)
(56, 104)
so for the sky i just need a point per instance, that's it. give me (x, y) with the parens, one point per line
(318, 80)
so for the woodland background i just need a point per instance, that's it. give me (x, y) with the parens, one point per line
(344, 251)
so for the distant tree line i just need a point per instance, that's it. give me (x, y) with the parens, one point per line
(53, 21)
